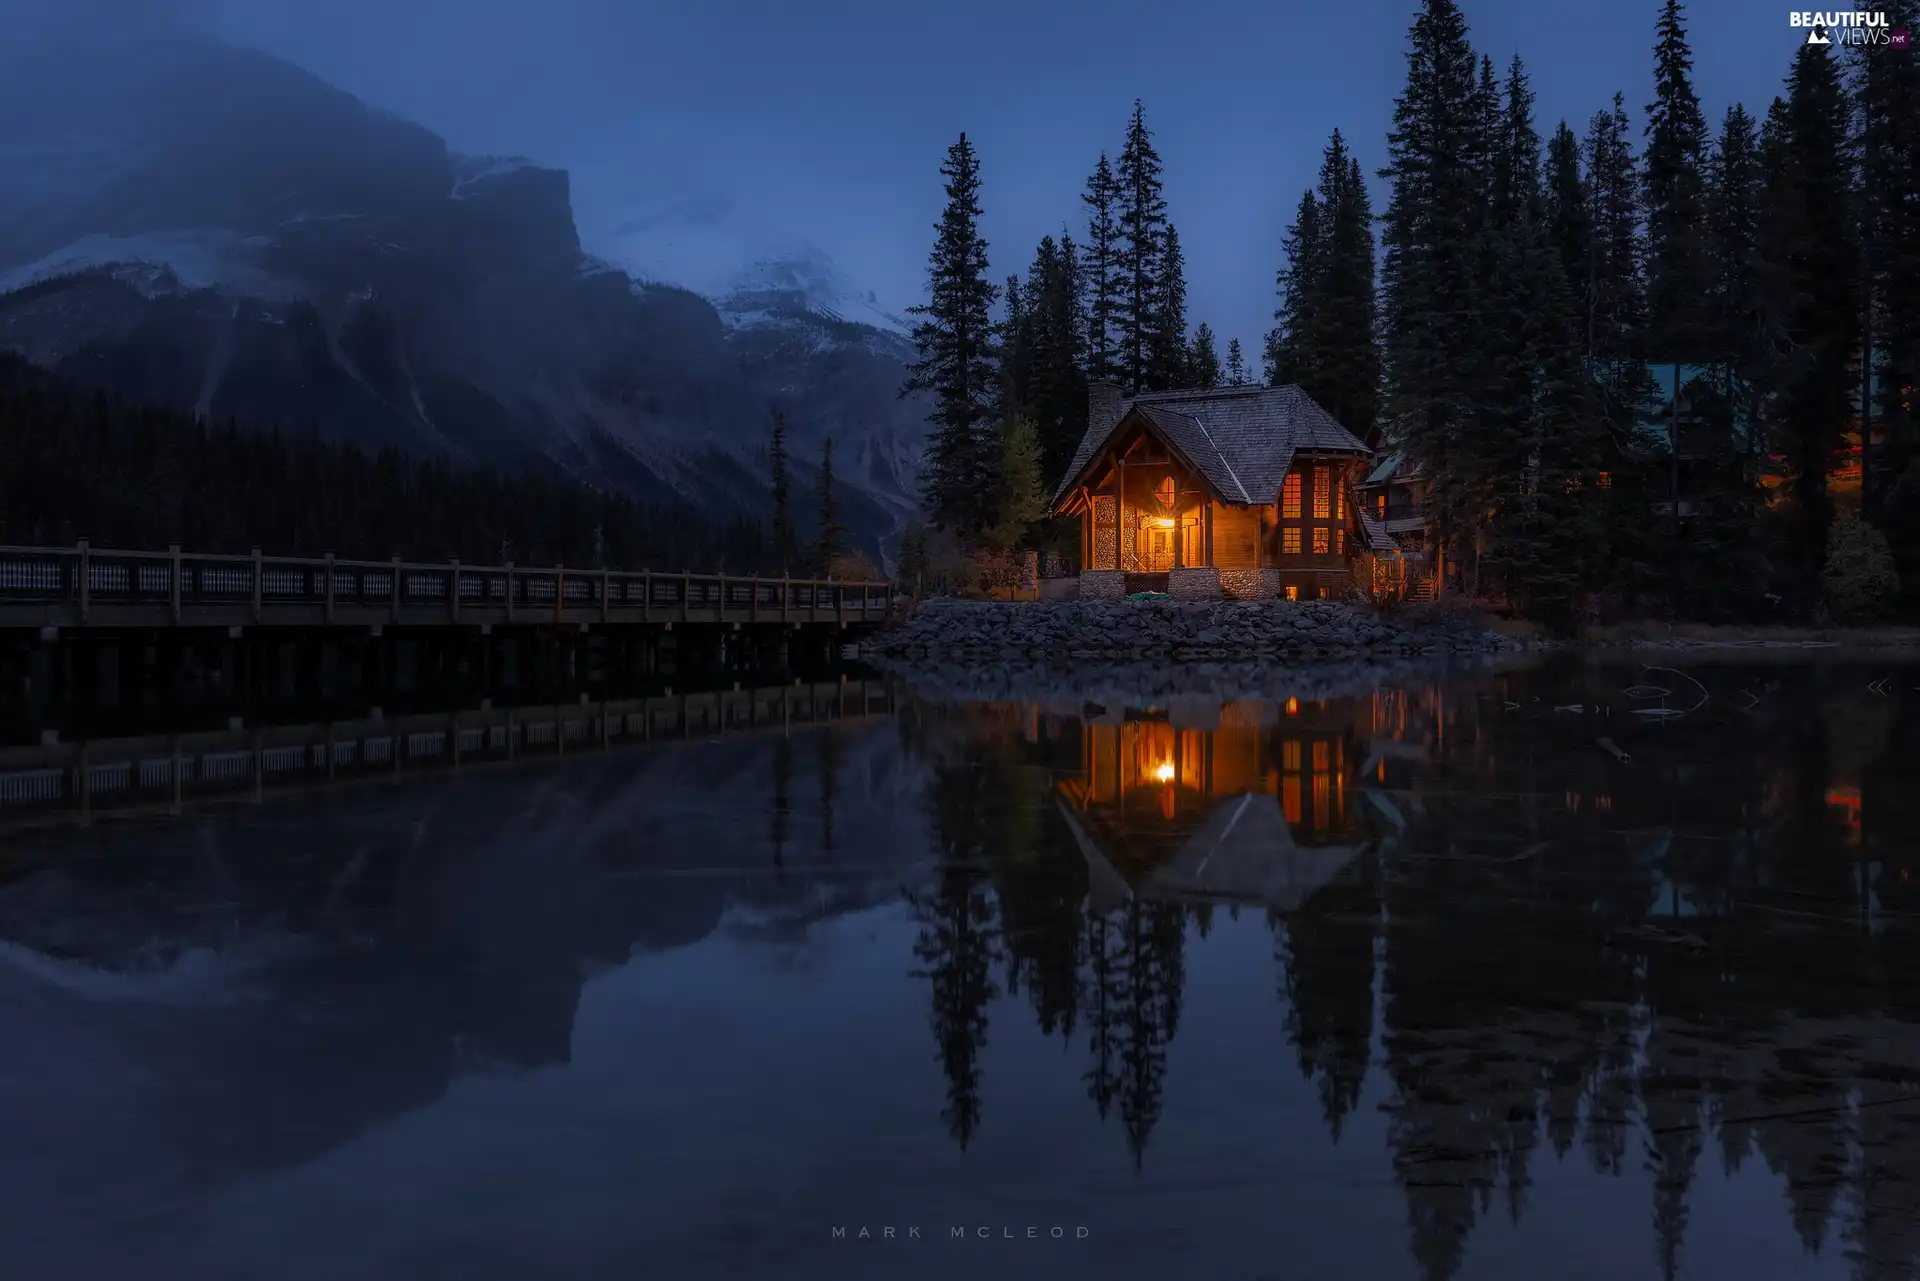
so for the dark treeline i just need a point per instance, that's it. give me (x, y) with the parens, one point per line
(76, 464)
(1565, 331)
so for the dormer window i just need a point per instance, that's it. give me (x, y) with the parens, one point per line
(1164, 492)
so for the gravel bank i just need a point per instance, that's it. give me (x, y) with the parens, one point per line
(1184, 631)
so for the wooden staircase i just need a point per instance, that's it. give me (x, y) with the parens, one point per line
(1423, 590)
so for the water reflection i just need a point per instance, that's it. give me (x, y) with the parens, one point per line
(1505, 976)
(1636, 923)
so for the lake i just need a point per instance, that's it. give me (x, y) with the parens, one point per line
(1556, 970)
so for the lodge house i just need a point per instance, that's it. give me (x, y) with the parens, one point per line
(1234, 491)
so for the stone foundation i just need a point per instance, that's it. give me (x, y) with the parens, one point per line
(1102, 584)
(1250, 584)
(1194, 584)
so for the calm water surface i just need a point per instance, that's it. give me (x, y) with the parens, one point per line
(1560, 973)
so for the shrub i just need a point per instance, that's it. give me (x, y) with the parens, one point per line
(1861, 580)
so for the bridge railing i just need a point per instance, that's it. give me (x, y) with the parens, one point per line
(84, 576)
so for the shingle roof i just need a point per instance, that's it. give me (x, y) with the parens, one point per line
(1378, 539)
(1240, 439)
(1392, 467)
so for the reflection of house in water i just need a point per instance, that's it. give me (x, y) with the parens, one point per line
(1250, 807)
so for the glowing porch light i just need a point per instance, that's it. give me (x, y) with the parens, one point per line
(1293, 707)
(1164, 772)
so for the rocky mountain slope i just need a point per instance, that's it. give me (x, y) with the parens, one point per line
(212, 227)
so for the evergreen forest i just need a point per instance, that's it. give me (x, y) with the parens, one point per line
(78, 464)
(1646, 364)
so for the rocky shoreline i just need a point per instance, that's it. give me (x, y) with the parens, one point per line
(1072, 684)
(1182, 631)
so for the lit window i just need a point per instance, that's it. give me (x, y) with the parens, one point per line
(1322, 540)
(1290, 756)
(1339, 502)
(1606, 480)
(1293, 592)
(1320, 757)
(1326, 593)
(1290, 541)
(1164, 492)
(1290, 496)
(1322, 494)
(1380, 504)
(1340, 542)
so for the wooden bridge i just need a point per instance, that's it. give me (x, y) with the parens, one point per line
(84, 587)
(63, 782)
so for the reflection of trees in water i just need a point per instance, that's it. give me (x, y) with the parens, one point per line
(959, 939)
(1638, 966)
(782, 803)
(1324, 954)
(829, 751)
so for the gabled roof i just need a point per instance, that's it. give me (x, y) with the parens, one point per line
(1392, 467)
(1378, 539)
(1241, 440)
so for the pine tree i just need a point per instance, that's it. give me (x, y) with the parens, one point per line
(1101, 287)
(1348, 356)
(781, 483)
(1734, 307)
(1141, 210)
(1889, 101)
(1169, 369)
(1816, 260)
(1569, 212)
(1529, 459)
(1015, 343)
(1675, 183)
(954, 357)
(1616, 308)
(1515, 192)
(1236, 365)
(1022, 501)
(1052, 390)
(1289, 344)
(1203, 362)
(833, 535)
(1428, 274)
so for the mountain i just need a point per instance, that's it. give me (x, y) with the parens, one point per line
(211, 227)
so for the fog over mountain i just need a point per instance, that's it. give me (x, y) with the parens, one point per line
(203, 224)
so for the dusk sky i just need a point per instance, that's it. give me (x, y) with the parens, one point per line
(827, 121)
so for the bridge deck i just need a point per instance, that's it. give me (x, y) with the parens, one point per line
(43, 587)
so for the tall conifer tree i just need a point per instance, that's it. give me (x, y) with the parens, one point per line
(1889, 107)
(1539, 438)
(1169, 369)
(955, 359)
(1616, 304)
(1289, 346)
(1236, 365)
(1674, 184)
(1101, 286)
(1203, 360)
(1569, 213)
(833, 534)
(780, 482)
(1052, 390)
(1735, 312)
(1141, 209)
(1816, 259)
(1428, 272)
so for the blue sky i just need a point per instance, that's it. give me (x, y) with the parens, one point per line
(827, 121)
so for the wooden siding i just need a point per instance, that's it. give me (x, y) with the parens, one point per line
(1236, 536)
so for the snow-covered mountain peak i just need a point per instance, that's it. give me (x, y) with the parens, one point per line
(751, 273)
